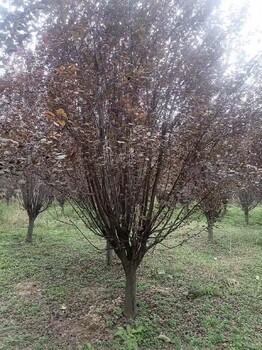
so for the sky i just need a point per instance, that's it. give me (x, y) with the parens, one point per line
(251, 35)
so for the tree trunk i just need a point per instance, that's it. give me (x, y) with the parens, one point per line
(186, 209)
(246, 211)
(109, 254)
(30, 229)
(130, 305)
(210, 230)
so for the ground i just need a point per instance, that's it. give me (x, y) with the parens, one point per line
(59, 294)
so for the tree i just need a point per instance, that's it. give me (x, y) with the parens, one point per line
(125, 87)
(8, 188)
(36, 197)
(248, 179)
(61, 199)
(214, 208)
(135, 105)
(249, 197)
(213, 186)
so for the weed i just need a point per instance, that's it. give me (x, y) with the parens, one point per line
(87, 346)
(197, 291)
(130, 336)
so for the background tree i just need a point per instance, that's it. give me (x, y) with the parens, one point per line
(214, 208)
(36, 197)
(249, 197)
(109, 254)
(61, 199)
(248, 178)
(213, 186)
(8, 188)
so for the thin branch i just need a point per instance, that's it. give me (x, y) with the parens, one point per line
(71, 223)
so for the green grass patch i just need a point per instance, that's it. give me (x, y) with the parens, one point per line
(59, 294)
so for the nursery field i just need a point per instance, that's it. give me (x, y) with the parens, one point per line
(58, 293)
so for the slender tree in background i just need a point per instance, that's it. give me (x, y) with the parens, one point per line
(36, 197)
(214, 208)
(8, 188)
(109, 254)
(61, 199)
(212, 190)
(249, 197)
(248, 179)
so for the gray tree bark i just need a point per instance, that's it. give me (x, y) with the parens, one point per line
(30, 229)
(246, 211)
(130, 305)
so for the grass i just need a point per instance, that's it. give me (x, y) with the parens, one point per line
(59, 294)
